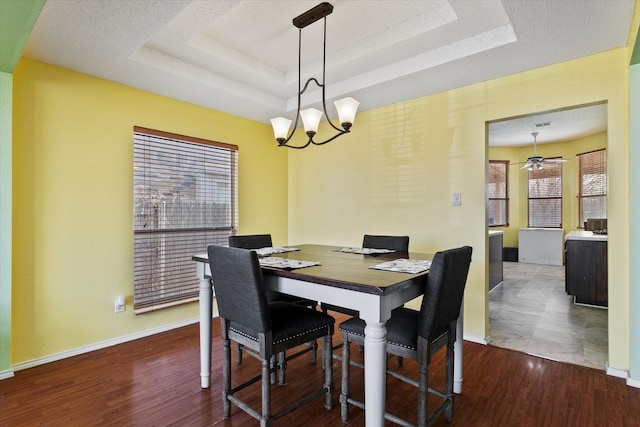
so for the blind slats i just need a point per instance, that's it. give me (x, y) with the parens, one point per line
(592, 185)
(497, 193)
(545, 196)
(185, 198)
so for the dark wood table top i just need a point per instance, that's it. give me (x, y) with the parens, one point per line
(348, 270)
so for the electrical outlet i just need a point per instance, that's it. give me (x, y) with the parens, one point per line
(119, 304)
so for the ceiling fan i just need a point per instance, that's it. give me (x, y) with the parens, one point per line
(536, 162)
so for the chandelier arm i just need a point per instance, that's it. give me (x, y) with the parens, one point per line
(299, 77)
(298, 147)
(324, 71)
(295, 124)
(312, 79)
(324, 107)
(340, 133)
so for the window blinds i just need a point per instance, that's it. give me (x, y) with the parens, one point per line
(545, 196)
(184, 199)
(497, 190)
(592, 185)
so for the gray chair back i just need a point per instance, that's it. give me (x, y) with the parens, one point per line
(239, 288)
(251, 241)
(397, 243)
(444, 291)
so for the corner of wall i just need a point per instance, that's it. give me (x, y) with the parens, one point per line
(6, 91)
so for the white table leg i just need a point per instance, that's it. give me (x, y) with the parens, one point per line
(375, 365)
(206, 298)
(458, 353)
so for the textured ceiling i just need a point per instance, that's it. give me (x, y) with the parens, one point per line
(241, 56)
(552, 126)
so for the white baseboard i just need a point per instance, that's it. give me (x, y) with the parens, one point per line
(475, 339)
(619, 373)
(99, 345)
(6, 374)
(633, 382)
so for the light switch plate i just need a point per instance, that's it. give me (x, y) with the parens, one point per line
(119, 304)
(456, 199)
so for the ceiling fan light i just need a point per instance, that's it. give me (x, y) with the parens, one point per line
(311, 119)
(347, 108)
(530, 168)
(280, 127)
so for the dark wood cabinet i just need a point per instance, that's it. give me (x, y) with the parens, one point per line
(586, 271)
(495, 260)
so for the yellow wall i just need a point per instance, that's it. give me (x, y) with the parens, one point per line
(518, 180)
(72, 202)
(397, 169)
(394, 174)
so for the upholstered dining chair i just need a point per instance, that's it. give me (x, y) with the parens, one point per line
(418, 334)
(265, 328)
(251, 241)
(397, 243)
(258, 241)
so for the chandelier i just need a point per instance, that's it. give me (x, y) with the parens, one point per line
(346, 107)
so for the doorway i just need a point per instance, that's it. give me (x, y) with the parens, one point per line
(530, 310)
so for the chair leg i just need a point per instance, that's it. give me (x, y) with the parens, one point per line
(324, 360)
(282, 367)
(239, 355)
(266, 420)
(314, 351)
(273, 368)
(423, 391)
(344, 391)
(328, 372)
(314, 343)
(226, 377)
(449, 396)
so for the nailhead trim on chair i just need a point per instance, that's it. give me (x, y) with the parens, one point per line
(394, 343)
(251, 337)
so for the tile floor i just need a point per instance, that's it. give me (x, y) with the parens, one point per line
(531, 312)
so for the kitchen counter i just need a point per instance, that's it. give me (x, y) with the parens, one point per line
(586, 235)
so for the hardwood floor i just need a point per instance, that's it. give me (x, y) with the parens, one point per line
(155, 382)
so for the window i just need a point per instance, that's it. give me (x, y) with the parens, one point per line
(545, 196)
(184, 199)
(497, 191)
(592, 185)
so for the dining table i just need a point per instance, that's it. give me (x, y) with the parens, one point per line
(345, 277)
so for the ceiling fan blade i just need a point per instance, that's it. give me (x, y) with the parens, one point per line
(525, 166)
(554, 160)
(526, 162)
